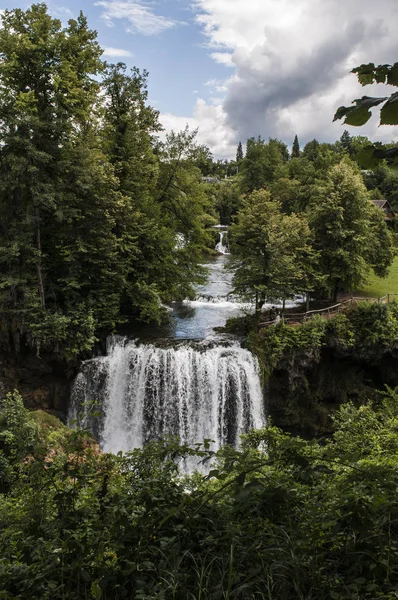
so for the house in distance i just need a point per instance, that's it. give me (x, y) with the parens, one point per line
(389, 214)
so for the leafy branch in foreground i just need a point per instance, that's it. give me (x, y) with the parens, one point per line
(360, 113)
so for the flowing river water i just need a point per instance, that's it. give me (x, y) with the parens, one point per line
(180, 379)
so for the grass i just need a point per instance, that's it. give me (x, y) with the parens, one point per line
(378, 287)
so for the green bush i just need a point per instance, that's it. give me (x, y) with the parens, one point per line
(278, 519)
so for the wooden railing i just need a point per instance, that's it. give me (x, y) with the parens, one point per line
(329, 311)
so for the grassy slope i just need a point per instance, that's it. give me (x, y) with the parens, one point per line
(379, 287)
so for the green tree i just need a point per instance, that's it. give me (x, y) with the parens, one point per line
(227, 201)
(288, 193)
(239, 153)
(272, 253)
(129, 127)
(348, 232)
(145, 243)
(295, 148)
(262, 163)
(203, 159)
(184, 210)
(346, 142)
(48, 97)
(384, 179)
(311, 150)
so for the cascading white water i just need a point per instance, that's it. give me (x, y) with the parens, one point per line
(222, 245)
(194, 392)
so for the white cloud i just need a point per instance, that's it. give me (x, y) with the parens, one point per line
(60, 12)
(223, 58)
(213, 130)
(292, 60)
(117, 53)
(140, 17)
(217, 85)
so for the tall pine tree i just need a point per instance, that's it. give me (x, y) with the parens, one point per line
(239, 153)
(295, 148)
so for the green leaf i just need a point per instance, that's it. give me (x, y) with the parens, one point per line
(213, 473)
(358, 117)
(96, 591)
(359, 114)
(389, 112)
(366, 157)
(86, 576)
(342, 111)
(365, 73)
(392, 77)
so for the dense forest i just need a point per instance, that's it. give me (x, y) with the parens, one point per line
(105, 219)
(102, 221)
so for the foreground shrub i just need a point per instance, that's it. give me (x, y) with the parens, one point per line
(278, 519)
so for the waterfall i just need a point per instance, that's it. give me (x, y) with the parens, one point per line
(194, 391)
(222, 246)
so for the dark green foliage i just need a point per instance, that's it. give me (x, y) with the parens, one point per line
(346, 142)
(227, 201)
(369, 329)
(350, 234)
(239, 153)
(311, 150)
(272, 255)
(280, 518)
(91, 207)
(262, 163)
(360, 113)
(384, 179)
(295, 148)
(203, 159)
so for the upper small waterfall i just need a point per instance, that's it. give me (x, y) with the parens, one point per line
(194, 391)
(222, 245)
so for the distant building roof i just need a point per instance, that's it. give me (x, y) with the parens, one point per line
(385, 207)
(211, 179)
(379, 203)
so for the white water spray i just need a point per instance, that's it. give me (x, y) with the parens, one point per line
(193, 391)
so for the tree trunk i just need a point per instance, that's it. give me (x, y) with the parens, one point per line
(335, 291)
(39, 265)
(307, 302)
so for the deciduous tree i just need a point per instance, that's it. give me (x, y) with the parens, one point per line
(348, 232)
(272, 253)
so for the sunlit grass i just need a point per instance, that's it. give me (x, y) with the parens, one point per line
(378, 287)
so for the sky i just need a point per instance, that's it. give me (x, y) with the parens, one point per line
(241, 68)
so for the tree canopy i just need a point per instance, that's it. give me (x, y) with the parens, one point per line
(91, 203)
(350, 233)
(272, 254)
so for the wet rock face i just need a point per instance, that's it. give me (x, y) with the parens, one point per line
(303, 393)
(44, 382)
